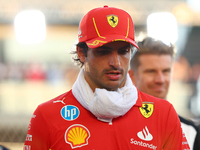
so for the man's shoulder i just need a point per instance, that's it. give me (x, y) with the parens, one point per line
(192, 131)
(62, 99)
(55, 105)
(149, 98)
(187, 122)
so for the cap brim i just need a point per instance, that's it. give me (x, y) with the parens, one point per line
(97, 42)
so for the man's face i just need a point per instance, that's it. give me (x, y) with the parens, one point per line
(153, 74)
(107, 66)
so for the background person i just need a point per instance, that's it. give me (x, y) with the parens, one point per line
(3, 147)
(150, 71)
(104, 110)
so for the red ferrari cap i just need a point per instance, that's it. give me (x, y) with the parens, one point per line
(106, 24)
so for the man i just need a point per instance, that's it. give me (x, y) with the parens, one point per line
(150, 71)
(103, 111)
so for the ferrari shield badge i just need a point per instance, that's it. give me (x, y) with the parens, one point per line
(147, 109)
(112, 20)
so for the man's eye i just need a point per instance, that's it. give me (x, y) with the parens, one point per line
(167, 71)
(124, 51)
(102, 51)
(151, 71)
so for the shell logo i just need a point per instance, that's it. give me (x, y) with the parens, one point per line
(77, 135)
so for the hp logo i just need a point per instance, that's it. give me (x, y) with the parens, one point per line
(70, 112)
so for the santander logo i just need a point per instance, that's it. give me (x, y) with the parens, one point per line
(145, 135)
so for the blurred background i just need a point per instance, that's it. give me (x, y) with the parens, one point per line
(36, 38)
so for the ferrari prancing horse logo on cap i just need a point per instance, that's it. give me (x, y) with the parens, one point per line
(112, 20)
(147, 109)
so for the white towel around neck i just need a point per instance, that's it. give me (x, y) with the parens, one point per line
(104, 104)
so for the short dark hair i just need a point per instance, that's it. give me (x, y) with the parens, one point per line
(150, 46)
(75, 58)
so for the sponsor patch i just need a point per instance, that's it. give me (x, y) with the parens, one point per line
(79, 33)
(112, 20)
(143, 144)
(61, 101)
(70, 112)
(77, 136)
(147, 109)
(27, 147)
(145, 135)
(29, 126)
(28, 137)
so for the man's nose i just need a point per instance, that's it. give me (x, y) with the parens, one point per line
(160, 77)
(114, 60)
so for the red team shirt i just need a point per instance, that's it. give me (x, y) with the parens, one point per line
(63, 124)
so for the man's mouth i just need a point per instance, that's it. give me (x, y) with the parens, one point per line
(113, 75)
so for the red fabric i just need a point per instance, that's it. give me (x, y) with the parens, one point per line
(106, 24)
(63, 124)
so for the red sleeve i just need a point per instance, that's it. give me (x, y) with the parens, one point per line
(38, 133)
(176, 138)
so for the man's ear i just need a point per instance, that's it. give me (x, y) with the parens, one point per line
(80, 54)
(132, 75)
